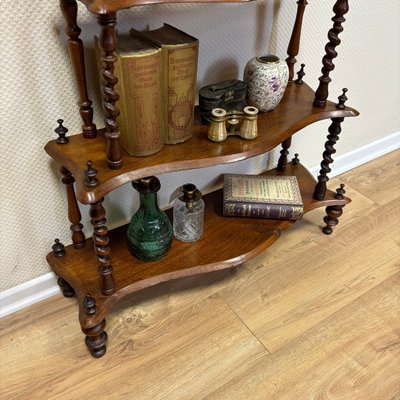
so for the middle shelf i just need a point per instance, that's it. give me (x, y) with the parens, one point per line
(226, 242)
(294, 112)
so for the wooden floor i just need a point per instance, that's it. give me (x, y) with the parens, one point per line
(314, 317)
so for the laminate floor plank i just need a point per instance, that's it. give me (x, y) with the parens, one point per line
(381, 183)
(205, 340)
(314, 317)
(352, 355)
(296, 292)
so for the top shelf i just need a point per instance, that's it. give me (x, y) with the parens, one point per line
(293, 113)
(108, 6)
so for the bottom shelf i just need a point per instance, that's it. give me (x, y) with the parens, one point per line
(226, 242)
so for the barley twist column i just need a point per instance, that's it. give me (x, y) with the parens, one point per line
(101, 247)
(340, 8)
(333, 137)
(108, 43)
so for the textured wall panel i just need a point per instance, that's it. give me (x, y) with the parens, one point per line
(38, 88)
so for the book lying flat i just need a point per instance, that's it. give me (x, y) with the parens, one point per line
(262, 196)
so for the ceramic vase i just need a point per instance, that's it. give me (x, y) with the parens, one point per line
(266, 77)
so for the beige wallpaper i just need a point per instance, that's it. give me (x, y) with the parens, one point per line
(38, 88)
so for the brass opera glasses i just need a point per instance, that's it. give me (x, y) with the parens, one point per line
(224, 124)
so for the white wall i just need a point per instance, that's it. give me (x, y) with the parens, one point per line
(38, 88)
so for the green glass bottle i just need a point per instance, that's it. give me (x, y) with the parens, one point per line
(150, 230)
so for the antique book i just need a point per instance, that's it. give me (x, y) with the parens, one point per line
(138, 69)
(179, 74)
(262, 196)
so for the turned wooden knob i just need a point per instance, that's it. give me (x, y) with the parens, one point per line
(300, 75)
(61, 132)
(342, 99)
(340, 192)
(58, 248)
(295, 160)
(90, 173)
(89, 305)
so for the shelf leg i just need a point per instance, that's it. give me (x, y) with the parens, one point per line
(340, 8)
(294, 44)
(101, 247)
(69, 9)
(282, 162)
(96, 339)
(66, 288)
(333, 212)
(333, 137)
(74, 214)
(108, 43)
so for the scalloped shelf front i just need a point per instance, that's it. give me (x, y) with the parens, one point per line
(226, 242)
(108, 6)
(294, 112)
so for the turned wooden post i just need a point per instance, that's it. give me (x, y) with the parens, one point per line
(69, 9)
(108, 43)
(74, 214)
(282, 162)
(101, 247)
(96, 338)
(294, 44)
(333, 213)
(340, 8)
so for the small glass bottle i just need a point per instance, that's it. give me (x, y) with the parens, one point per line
(188, 214)
(150, 231)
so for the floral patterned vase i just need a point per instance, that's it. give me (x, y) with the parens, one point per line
(266, 77)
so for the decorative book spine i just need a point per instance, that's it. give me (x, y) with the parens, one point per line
(258, 210)
(262, 196)
(179, 75)
(139, 86)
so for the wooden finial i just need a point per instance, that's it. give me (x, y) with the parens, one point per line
(300, 75)
(340, 192)
(58, 248)
(342, 99)
(89, 305)
(90, 173)
(295, 160)
(61, 132)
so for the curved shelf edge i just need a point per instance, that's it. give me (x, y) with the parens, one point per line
(109, 6)
(295, 112)
(222, 246)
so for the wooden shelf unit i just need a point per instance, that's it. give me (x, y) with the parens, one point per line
(100, 270)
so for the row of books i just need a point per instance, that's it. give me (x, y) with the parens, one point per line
(156, 73)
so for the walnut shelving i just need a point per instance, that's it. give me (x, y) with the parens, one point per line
(103, 276)
(293, 113)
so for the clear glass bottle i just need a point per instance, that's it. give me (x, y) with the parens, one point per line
(188, 214)
(150, 231)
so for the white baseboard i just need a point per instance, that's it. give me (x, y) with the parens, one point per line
(45, 286)
(362, 155)
(28, 293)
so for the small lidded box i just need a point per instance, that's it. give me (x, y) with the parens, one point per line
(229, 95)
